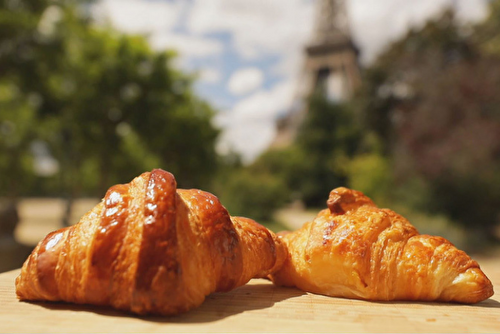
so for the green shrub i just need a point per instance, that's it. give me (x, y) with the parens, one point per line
(371, 174)
(253, 195)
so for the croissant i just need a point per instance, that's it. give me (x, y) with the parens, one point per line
(148, 247)
(355, 250)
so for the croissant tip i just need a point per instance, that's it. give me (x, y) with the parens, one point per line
(343, 199)
(487, 290)
(479, 296)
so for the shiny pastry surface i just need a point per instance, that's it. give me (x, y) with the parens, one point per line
(148, 247)
(353, 249)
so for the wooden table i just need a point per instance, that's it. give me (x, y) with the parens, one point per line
(259, 307)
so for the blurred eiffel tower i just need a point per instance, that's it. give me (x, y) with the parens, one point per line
(330, 67)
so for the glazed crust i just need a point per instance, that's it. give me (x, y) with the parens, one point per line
(150, 248)
(355, 250)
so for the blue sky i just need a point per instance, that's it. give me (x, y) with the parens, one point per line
(248, 53)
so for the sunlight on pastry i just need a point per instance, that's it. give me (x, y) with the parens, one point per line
(353, 249)
(150, 248)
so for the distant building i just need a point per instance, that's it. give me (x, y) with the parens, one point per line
(330, 67)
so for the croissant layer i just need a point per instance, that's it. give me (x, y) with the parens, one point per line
(353, 249)
(149, 247)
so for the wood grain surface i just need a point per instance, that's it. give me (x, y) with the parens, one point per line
(258, 307)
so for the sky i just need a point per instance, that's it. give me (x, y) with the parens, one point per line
(247, 54)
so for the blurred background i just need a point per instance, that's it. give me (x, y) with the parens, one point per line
(267, 104)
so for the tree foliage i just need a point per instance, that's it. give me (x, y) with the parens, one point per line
(316, 162)
(245, 192)
(327, 140)
(432, 98)
(104, 105)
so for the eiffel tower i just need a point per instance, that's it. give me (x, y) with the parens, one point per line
(330, 67)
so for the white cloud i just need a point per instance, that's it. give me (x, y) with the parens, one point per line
(245, 80)
(261, 27)
(138, 16)
(265, 104)
(250, 123)
(156, 19)
(186, 45)
(376, 23)
(282, 27)
(210, 75)
(258, 27)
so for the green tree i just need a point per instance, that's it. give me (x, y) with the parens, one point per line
(328, 139)
(316, 162)
(245, 192)
(486, 33)
(17, 120)
(432, 98)
(106, 105)
(18, 24)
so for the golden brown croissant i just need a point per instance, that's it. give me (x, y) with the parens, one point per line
(150, 248)
(356, 250)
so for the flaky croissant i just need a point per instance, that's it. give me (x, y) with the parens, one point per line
(150, 248)
(355, 250)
